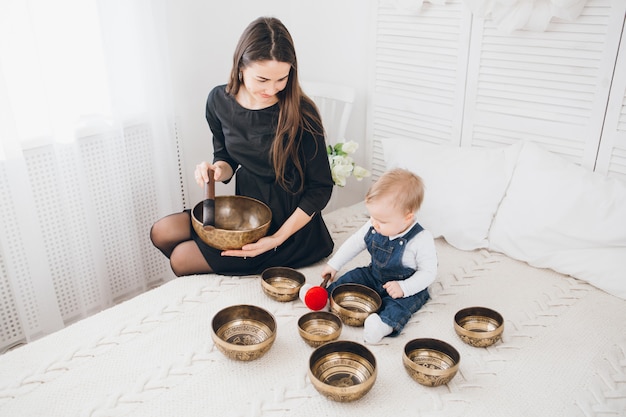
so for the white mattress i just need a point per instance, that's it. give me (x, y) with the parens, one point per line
(562, 354)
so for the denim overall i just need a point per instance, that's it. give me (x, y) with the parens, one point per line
(386, 266)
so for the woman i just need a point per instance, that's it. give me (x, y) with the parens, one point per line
(269, 132)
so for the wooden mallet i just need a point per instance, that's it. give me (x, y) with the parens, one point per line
(208, 205)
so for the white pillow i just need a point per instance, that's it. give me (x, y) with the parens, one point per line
(464, 186)
(561, 216)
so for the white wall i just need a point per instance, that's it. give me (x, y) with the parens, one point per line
(332, 44)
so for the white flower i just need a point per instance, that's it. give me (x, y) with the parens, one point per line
(341, 169)
(350, 147)
(342, 165)
(360, 172)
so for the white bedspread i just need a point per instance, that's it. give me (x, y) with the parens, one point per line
(563, 351)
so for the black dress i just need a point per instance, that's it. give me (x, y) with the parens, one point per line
(243, 138)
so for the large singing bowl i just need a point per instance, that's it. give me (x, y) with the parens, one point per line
(239, 220)
(431, 362)
(243, 332)
(342, 370)
(353, 303)
(479, 326)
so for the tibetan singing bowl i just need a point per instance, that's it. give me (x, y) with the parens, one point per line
(281, 283)
(479, 326)
(319, 327)
(342, 371)
(243, 332)
(239, 220)
(430, 362)
(353, 303)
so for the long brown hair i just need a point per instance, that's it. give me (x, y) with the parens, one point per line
(267, 39)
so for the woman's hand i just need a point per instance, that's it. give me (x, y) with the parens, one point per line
(251, 250)
(393, 289)
(295, 222)
(221, 172)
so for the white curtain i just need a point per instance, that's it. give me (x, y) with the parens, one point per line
(88, 158)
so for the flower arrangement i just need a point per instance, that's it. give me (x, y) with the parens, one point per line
(341, 163)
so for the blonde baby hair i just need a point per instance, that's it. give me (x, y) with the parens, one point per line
(405, 188)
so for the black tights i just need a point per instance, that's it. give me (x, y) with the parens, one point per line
(172, 236)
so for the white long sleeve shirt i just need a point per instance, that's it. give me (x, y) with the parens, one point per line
(419, 254)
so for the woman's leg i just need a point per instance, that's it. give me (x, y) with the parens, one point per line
(172, 236)
(170, 231)
(186, 259)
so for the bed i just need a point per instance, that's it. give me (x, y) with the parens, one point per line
(563, 351)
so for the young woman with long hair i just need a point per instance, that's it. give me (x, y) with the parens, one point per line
(268, 135)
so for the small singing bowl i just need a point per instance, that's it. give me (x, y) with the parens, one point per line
(239, 220)
(243, 332)
(353, 303)
(479, 326)
(319, 327)
(281, 283)
(430, 362)
(343, 371)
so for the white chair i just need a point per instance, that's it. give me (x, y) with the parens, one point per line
(334, 102)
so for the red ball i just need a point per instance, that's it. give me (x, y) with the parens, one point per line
(316, 298)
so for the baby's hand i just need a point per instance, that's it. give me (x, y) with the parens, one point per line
(393, 289)
(329, 270)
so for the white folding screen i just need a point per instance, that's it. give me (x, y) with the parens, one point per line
(419, 71)
(612, 153)
(551, 87)
(419, 75)
(445, 76)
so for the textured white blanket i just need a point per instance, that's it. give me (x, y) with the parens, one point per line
(563, 351)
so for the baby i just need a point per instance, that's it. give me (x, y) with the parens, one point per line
(403, 256)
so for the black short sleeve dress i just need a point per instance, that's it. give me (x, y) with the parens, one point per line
(243, 138)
